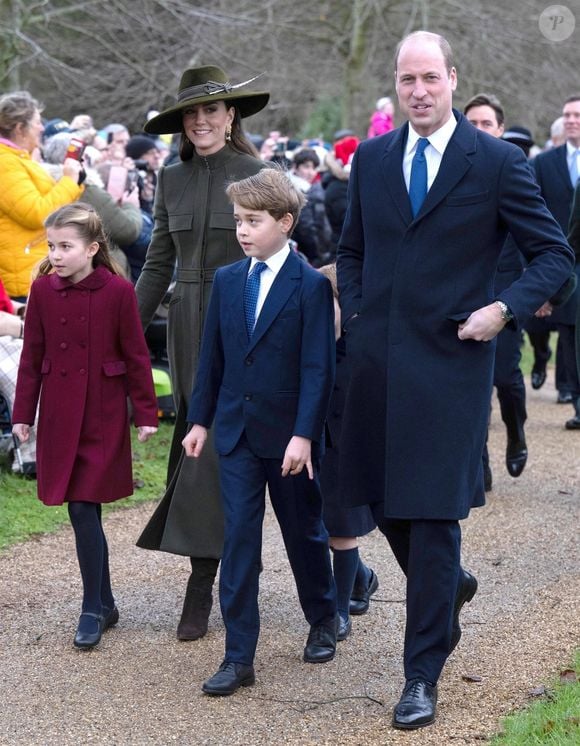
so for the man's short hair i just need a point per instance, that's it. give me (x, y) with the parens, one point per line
(486, 99)
(271, 190)
(441, 41)
(305, 155)
(557, 127)
(571, 99)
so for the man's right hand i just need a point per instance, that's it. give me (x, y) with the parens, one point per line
(194, 441)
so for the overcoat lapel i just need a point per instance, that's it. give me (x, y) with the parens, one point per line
(282, 288)
(393, 173)
(561, 165)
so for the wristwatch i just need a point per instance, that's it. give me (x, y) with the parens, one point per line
(506, 314)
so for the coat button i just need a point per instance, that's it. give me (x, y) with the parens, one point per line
(249, 361)
(82, 318)
(84, 293)
(63, 294)
(248, 397)
(63, 345)
(63, 320)
(63, 372)
(82, 344)
(82, 371)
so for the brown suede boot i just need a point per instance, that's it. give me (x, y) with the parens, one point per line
(198, 599)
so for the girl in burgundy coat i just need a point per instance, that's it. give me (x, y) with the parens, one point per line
(83, 354)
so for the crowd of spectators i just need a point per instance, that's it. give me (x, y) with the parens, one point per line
(46, 163)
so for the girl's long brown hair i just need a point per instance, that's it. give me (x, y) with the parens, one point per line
(89, 227)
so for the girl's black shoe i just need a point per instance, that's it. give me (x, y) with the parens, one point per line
(89, 631)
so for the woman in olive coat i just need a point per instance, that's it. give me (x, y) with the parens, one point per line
(194, 234)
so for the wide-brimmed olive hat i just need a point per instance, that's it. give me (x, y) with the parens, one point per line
(200, 85)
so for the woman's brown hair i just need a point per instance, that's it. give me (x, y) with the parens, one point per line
(238, 142)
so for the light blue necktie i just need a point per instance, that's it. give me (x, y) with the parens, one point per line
(251, 292)
(574, 168)
(418, 181)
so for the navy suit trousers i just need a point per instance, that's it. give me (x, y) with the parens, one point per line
(429, 553)
(297, 503)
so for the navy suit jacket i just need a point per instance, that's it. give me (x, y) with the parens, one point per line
(278, 384)
(553, 176)
(417, 405)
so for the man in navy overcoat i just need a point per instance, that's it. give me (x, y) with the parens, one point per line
(425, 226)
(555, 171)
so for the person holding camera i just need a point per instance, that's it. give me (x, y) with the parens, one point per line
(27, 193)
(121, 218)
(146, 156)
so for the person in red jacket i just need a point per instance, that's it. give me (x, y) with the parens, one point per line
(84, 352)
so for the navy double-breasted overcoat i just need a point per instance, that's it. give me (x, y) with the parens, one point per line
(418, 400)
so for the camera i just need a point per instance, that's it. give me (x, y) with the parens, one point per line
(134, 179)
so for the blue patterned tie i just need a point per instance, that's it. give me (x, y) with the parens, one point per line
(574, 168)
(251, 292)
(418, 182)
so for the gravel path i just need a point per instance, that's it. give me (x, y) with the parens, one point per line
(142, 686)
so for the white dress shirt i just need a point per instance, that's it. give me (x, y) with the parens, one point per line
(438, 141)
(274, 265)
(572, 152)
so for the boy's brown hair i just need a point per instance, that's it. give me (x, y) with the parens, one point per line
(271, 190)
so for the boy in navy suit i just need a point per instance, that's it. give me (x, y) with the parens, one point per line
(265, 374)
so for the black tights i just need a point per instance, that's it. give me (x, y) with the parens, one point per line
(93, 556)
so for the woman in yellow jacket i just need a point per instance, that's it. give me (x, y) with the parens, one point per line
(27, 193)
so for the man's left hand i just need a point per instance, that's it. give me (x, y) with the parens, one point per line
(483, 324)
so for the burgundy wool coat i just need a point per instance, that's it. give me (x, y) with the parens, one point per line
(84, 352)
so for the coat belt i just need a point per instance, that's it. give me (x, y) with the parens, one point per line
(194, 275)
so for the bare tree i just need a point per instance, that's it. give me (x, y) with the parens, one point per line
(119, 58)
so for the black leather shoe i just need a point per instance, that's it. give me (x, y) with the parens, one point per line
(417, 705)
(321, 642)
(466, 592)
(92, 630)
(564, 397)
(360, 599)
(573, 424)
(516, 456)
(538, 378)
(344, 628)
(111, 617)
(228, 679)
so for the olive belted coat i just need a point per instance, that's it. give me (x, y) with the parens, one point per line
(194, 235)
(84, 352)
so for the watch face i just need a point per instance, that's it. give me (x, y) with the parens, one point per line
(505, 312)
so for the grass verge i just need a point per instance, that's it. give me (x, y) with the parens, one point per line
(554, 720)
(22, 515)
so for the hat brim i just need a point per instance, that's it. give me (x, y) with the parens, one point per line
(169, 121)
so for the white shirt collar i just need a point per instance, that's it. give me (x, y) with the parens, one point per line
(274, 262)
(438, 139)
(570, 149)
